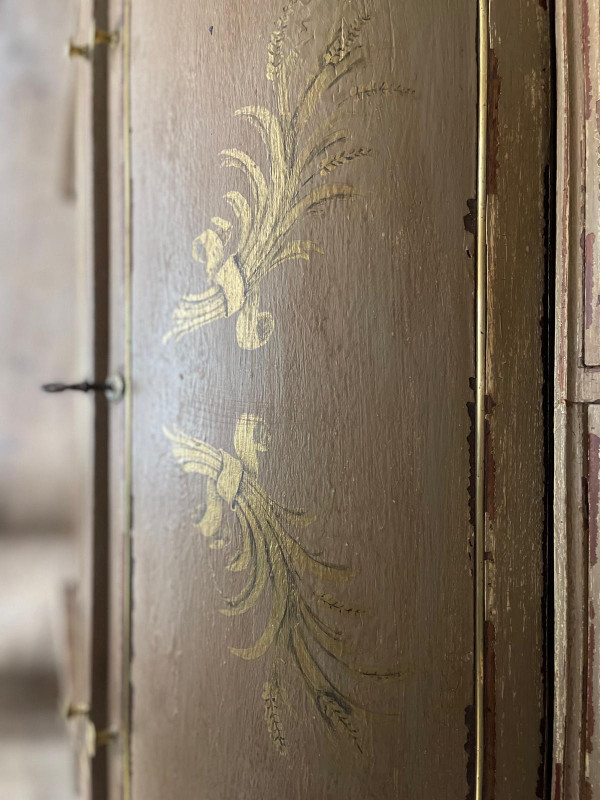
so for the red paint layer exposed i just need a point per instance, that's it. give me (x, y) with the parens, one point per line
(558, 781)
(589, 731)
(593, 495)
(490, 712)
(588, 260)
(494, 86)
(562, 299)
(598, 132)
(470, 751)
(490, 474)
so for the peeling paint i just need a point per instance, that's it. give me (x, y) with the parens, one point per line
(585, 36)
(563, 228)
(558, 781)
(490, 712)
(490, 463)
(594, 495)
(470, 219)
(598, 136)
(590, 722)
(470, 751)
(472, 466)
(588, 260)
(494, 87)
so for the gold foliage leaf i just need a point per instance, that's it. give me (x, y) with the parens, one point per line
(338, 715)
(210, 523)
(254, 588)
(270, 696)
(293, 251)
(196, 454)
(243, 212)
(279, 601)
(239, 160)
(381, 89)
(347, 38)
(275, 46)
(270, 130)
(335, 605)
(318, 196)
(196, 310)
(251, 437)
(329, 75)
(328, 165)
(208, 245)
(326, 134)
(241, 559)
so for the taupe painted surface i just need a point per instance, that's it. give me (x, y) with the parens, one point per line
(364, 386)
(518, 180)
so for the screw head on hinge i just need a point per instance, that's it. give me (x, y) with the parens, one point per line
(78, 50)
(97, 37)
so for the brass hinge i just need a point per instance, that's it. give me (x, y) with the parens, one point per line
(93, 738)
(97, 37)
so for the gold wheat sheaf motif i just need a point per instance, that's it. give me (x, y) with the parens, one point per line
(281, 571)
(237, 256)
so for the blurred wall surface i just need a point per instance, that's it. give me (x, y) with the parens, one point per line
(38, 438)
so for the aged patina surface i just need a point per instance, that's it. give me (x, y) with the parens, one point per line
(318, 368)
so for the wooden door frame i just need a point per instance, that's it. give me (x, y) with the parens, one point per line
(577, 391)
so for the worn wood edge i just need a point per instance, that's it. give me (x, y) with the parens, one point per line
(128, 505)
(100, 616)
(577, 387)
(518, 396)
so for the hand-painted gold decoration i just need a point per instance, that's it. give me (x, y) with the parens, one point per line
(235, 265)
(262, 546)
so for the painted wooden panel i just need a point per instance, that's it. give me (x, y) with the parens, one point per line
(302, 349)
(592, 706)
(516, 514)
(590, 45)
(577, 389)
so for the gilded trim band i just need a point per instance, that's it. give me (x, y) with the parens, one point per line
(481, 324)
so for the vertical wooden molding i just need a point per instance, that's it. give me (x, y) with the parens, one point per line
(126, 716)
(518, 177)
(481, 314)
(577, 391)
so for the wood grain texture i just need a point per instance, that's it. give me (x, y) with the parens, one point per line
(592, 674)
(118, 668)
(363, 384)
(518, 164)
(577, 389)
(590, 46)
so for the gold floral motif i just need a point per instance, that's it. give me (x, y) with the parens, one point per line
(263, 547)
(237, 257)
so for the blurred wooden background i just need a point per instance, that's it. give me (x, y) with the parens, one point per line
(39, 455)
